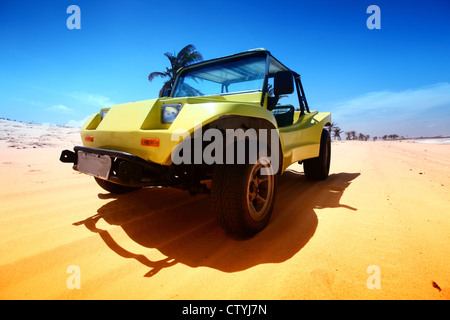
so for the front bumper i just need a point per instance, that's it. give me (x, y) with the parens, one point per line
(126, 169)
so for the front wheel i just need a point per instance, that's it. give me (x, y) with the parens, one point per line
(243, 196)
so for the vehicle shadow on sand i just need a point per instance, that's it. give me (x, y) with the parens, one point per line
(184, 228)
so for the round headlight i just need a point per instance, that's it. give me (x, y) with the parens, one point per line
(169, 112)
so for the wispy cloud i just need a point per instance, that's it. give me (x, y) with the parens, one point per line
(59, 108)
(29, 102)
(96, 100)
(90, 99)
(76, 123)
(417, 99)
(421, 108)
(93, 101)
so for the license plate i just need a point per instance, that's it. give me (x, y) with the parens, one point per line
(94, 164)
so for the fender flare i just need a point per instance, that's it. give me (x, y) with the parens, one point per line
(235, 122)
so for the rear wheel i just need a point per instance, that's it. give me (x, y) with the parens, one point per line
(114, 187)
(243, 196)
(319, 168)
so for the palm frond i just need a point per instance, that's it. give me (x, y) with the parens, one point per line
(186, 56)
(155, 74)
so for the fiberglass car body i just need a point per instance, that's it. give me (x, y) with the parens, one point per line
(181, 140)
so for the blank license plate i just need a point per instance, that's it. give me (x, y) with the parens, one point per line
(94, 164)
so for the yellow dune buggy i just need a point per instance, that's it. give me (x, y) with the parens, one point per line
(228, 128)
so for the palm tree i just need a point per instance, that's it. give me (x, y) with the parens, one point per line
(185, 57)
(361, 137)
(348, 135)
(336, 132)
(332, 126)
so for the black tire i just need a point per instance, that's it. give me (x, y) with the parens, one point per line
(114, 187)
(242, 198)
(319, 168)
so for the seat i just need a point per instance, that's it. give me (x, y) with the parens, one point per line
(284, 115)
(271, 102)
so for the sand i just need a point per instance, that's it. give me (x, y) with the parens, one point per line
(377, 228)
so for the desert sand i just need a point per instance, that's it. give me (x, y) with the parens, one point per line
(377, 228)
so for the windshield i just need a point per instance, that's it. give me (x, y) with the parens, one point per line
(243, 75)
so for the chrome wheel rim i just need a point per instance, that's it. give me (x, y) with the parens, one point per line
(260, 189)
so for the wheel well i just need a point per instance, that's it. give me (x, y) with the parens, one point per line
(244, 123)
(193, 171)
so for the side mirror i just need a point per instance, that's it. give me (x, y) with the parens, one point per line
(167, 92)
(283, 82)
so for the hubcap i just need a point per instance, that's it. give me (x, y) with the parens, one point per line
(260, 189)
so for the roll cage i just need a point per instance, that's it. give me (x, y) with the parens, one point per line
(272, 66)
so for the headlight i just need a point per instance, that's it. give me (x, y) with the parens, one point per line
(169, 112)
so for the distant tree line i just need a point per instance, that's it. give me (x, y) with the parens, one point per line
(337, 133)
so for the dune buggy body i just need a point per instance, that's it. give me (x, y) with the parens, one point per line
(174, 141)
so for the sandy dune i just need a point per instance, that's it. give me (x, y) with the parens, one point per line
(385, 204)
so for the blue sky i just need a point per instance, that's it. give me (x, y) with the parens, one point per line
(382, 81)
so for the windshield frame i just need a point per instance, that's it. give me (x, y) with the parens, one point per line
(270, 62)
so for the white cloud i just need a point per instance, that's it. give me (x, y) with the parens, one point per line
(418, 99)
(59, 108)
(76, 123)
(411, 111)
(95, 100)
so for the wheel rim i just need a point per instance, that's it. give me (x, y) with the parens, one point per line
(260, 189)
